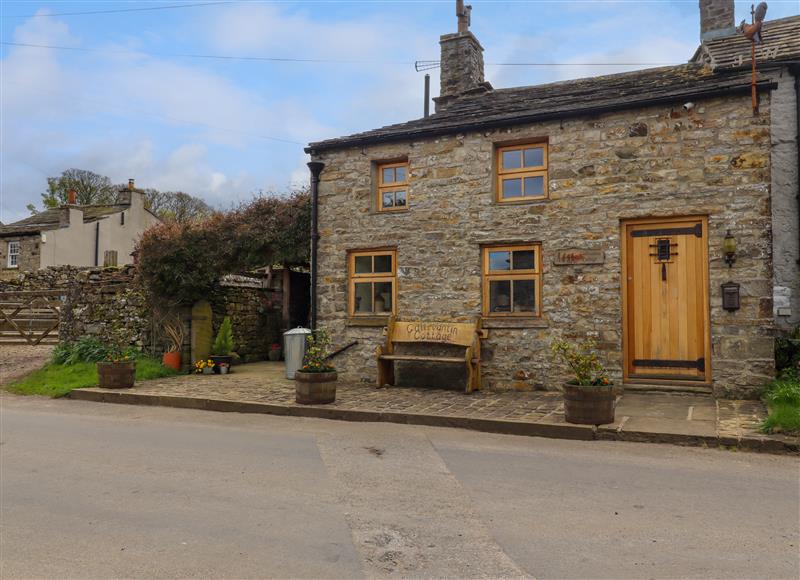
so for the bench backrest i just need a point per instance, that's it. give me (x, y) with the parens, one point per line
(458, 333)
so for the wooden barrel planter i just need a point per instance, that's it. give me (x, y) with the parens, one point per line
(116, 375)
(589, 405)
(315, 388)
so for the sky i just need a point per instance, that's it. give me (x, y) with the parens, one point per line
(130, 103)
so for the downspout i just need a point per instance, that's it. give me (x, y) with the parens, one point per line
(97, 244)
(796, 72)
(316, 168)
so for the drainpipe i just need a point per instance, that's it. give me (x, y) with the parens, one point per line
(316, 168)
(796, 72)
(97, 244)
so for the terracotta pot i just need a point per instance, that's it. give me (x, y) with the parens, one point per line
(315, 388)
(172, 360)
(592, 405)
(116, 375)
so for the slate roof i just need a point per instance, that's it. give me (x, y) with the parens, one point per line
(503, 107)
(50, 219)
(781, 44)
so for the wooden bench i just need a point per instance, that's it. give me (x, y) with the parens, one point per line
(463, 334)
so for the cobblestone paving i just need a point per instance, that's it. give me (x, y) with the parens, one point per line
(637, 414)
(269, 386)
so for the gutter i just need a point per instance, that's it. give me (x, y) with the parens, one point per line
(314, 148)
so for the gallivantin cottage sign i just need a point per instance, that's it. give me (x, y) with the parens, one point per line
(575, 256)
(442, 332)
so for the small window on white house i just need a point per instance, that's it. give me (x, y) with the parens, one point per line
(13, 254)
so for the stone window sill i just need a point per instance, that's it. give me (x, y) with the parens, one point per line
(521, 322)
(377, 321)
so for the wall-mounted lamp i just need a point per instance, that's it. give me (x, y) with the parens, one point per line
(729, 248)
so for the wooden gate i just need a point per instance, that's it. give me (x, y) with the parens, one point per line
(30, 317)
(665, 300)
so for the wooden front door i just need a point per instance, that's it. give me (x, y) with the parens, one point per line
(665, 300)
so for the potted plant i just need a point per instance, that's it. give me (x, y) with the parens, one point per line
(589, 397)
(274, 353)
(118, 369)
(175, 331)
(224, 368)
(204, 367)
(315, 383)
(222, 349)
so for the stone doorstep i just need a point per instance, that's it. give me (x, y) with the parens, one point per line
(616, 432)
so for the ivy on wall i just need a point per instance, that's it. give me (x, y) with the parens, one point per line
(181, 263)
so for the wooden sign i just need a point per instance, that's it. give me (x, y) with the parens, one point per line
(575, 256)
(444, 332)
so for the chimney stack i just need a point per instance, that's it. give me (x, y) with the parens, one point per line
(130, 184)
(461, 61)
(717, 19)
(72, 197)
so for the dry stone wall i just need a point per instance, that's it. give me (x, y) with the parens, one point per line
(658, 161)
(100, 300)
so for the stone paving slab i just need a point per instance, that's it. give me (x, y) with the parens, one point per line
(262, 388)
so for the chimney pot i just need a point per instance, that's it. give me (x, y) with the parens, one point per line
(72, 197)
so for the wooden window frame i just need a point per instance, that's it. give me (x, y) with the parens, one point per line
(534, 274)
(17, 254)
(522, 172)
(353, 278)
(393, 186)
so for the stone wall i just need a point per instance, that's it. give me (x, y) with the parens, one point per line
(650, 162)
(99, 300)
(786, 229)
(255, 318)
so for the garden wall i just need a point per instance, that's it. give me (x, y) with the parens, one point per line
(98, 301)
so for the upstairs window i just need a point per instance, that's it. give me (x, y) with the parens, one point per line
(512, 280)
(13, 254)
(522, 172)
(373, 282)
(393, 186)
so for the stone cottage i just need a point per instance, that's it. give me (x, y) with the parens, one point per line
(75, 235)
(654, 211)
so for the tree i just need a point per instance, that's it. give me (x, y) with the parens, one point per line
(90, 188)
(177, 206)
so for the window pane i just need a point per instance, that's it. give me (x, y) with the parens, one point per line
(387, 199)
(512, 188)
(524, 296)
(534, 186)
(512, 159)
(363, 297)
(523, 260)
(383, 264)
(400, 174)
(363, 264)
(383, 296)
(388, 175)
(500, 296)
(499, 260)
(400, 198)
(534, 157)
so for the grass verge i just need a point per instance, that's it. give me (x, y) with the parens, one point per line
(55, 380)
(783, 401)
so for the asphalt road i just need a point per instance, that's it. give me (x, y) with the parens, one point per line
(98, 490)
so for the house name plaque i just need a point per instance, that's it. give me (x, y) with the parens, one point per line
(575, 256)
